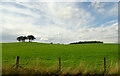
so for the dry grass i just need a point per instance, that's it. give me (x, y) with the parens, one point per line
(112, 69)
(53, 70)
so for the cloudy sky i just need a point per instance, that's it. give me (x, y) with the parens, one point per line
(59, 22)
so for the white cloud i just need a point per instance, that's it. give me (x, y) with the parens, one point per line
(46, 20)
(60, 1)
(101, 8)
(103, 33)
(113, 11)
(98, 6)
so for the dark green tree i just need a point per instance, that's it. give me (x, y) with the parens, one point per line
(24, 38)
(19, 38)
(31, 37)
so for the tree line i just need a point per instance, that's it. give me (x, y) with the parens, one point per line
(80, 42)
(23, 38)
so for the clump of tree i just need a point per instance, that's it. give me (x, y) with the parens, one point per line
(24, 38)
(84, 42)
(31, 37)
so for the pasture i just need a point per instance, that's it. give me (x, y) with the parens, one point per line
(43, 57)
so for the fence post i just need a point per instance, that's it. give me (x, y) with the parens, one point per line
(17, 62)
(59, 65)
(104, 65)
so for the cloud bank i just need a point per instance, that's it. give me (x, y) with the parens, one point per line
(59, 22)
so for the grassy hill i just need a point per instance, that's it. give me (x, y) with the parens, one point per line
(75, 57)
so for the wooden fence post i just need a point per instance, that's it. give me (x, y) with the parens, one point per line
(104, 65)
(59, 65)
(17, 62)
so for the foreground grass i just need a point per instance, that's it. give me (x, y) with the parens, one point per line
(41, 58)
(53, 70)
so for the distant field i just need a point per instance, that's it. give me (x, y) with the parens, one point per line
(75, 57)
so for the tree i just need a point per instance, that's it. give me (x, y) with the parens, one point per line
(31, 37)
(24, 38)
(19, 38)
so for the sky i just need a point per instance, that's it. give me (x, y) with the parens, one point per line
(59, 22)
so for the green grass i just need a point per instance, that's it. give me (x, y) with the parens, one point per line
(85, 57)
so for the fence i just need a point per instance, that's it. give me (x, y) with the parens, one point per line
(17, 64)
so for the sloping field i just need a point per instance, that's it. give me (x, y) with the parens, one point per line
(84, 58)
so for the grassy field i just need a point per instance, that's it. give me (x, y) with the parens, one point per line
(75, 58)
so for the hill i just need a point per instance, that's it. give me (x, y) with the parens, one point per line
(73, 57)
